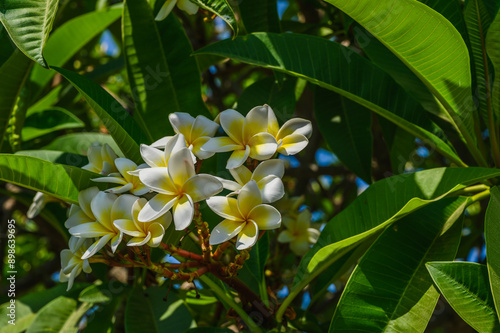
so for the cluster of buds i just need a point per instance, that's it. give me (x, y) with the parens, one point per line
(168, 188)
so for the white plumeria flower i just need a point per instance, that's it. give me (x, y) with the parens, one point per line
(184, 5)
(107, 208)
(178, 187)
(101, 159)
(244, 217)
(39, 201)
(150, 233)
(197, 131)
(248, 137)
(268, 176)
(293, 136)
(125, 177)
(157, 158)
(298, 233)
(72, 263)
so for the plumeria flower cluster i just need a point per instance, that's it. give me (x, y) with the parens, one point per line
(163, 195)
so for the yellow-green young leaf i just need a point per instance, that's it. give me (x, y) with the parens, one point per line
(222, 9)
(60, 181)
(29, 23)
(493, 49)
(430, 46)
(119, 123)
(466, 287)
(492, 237)
(337, 68)
(391, 284)
(68, 39)
(13, 73)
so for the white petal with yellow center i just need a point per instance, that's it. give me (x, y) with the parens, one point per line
(247, 236)
(248, 198)
(232, 122)
(295, 126)
(255, 122)
(262, 146)
(221, 145)
(266, 217)
(183, 212)
(225, 207)
(201, 187)
(158, 180)
(224, 231)
(293, 144)
(160, 204)
(237, 158)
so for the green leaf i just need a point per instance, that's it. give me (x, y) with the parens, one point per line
(102, 320)
(156, 90)
(94, 294)
(260, 15)
(346, 127)
(23, 317)
(375, 209)
(208, 330)
(465, 286)
(268, 91)
(493, 50)
(29, 23)
(492, 238)
(151, 314)
(222, 9)
(120, 124)
(336, 68)
(60, 181)
(6, 50)
(69, 38)
(60, 315)
(54, 156)
(394, 296)
(413, 32)
(48, 121)
(478, 20)
(79, 143)
(252, 273)
(13, 73)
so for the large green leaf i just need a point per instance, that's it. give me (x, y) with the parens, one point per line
(60, 315)
(465, 286)
(28, 23)
(337, 68)
(48, 121)
(120, 124)
(493, 50)
(69, 39)
(375, 209)
(152, 314)
(492, 237)
(13, 73)
(60, 181)
(346, 127)
(394, 296)
(79, 143)
(430, 46)
(8, 46)
(222, 9)
(260, 15)
(56, 157)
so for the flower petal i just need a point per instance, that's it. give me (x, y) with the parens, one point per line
(101, 207)
(271, 167)
(229, 184)
(139, 241)
(176, 143)
(197, 144)
(96, 246)
(313, 235)
(187, 6)
(89, 230)
(114, 180)
(303, 220)
(237, 158)
(120, 189)
(182, 123)
(247, 236)
(232, 122)
(293, 144)
(202, 186)
(203, 126)
(152, 156)
(285, 237)
(225, 207)
(85, 198)
(266, 217)
(165, 10)
(181, 167)
(157, 231)
(76, 218)
(271, 189)
(272, 123)
(128, 227)
(255, 122)
(224, 231)
(115, 241)
(241, 174)
(183, 212)
(295, 126)
(262, 146)
(220, 145)
(158, 180)
(140, 190)
(124, 165)
(161, 143)
(248, 198)
(299, 246)
(122, 207)
(156, 207)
